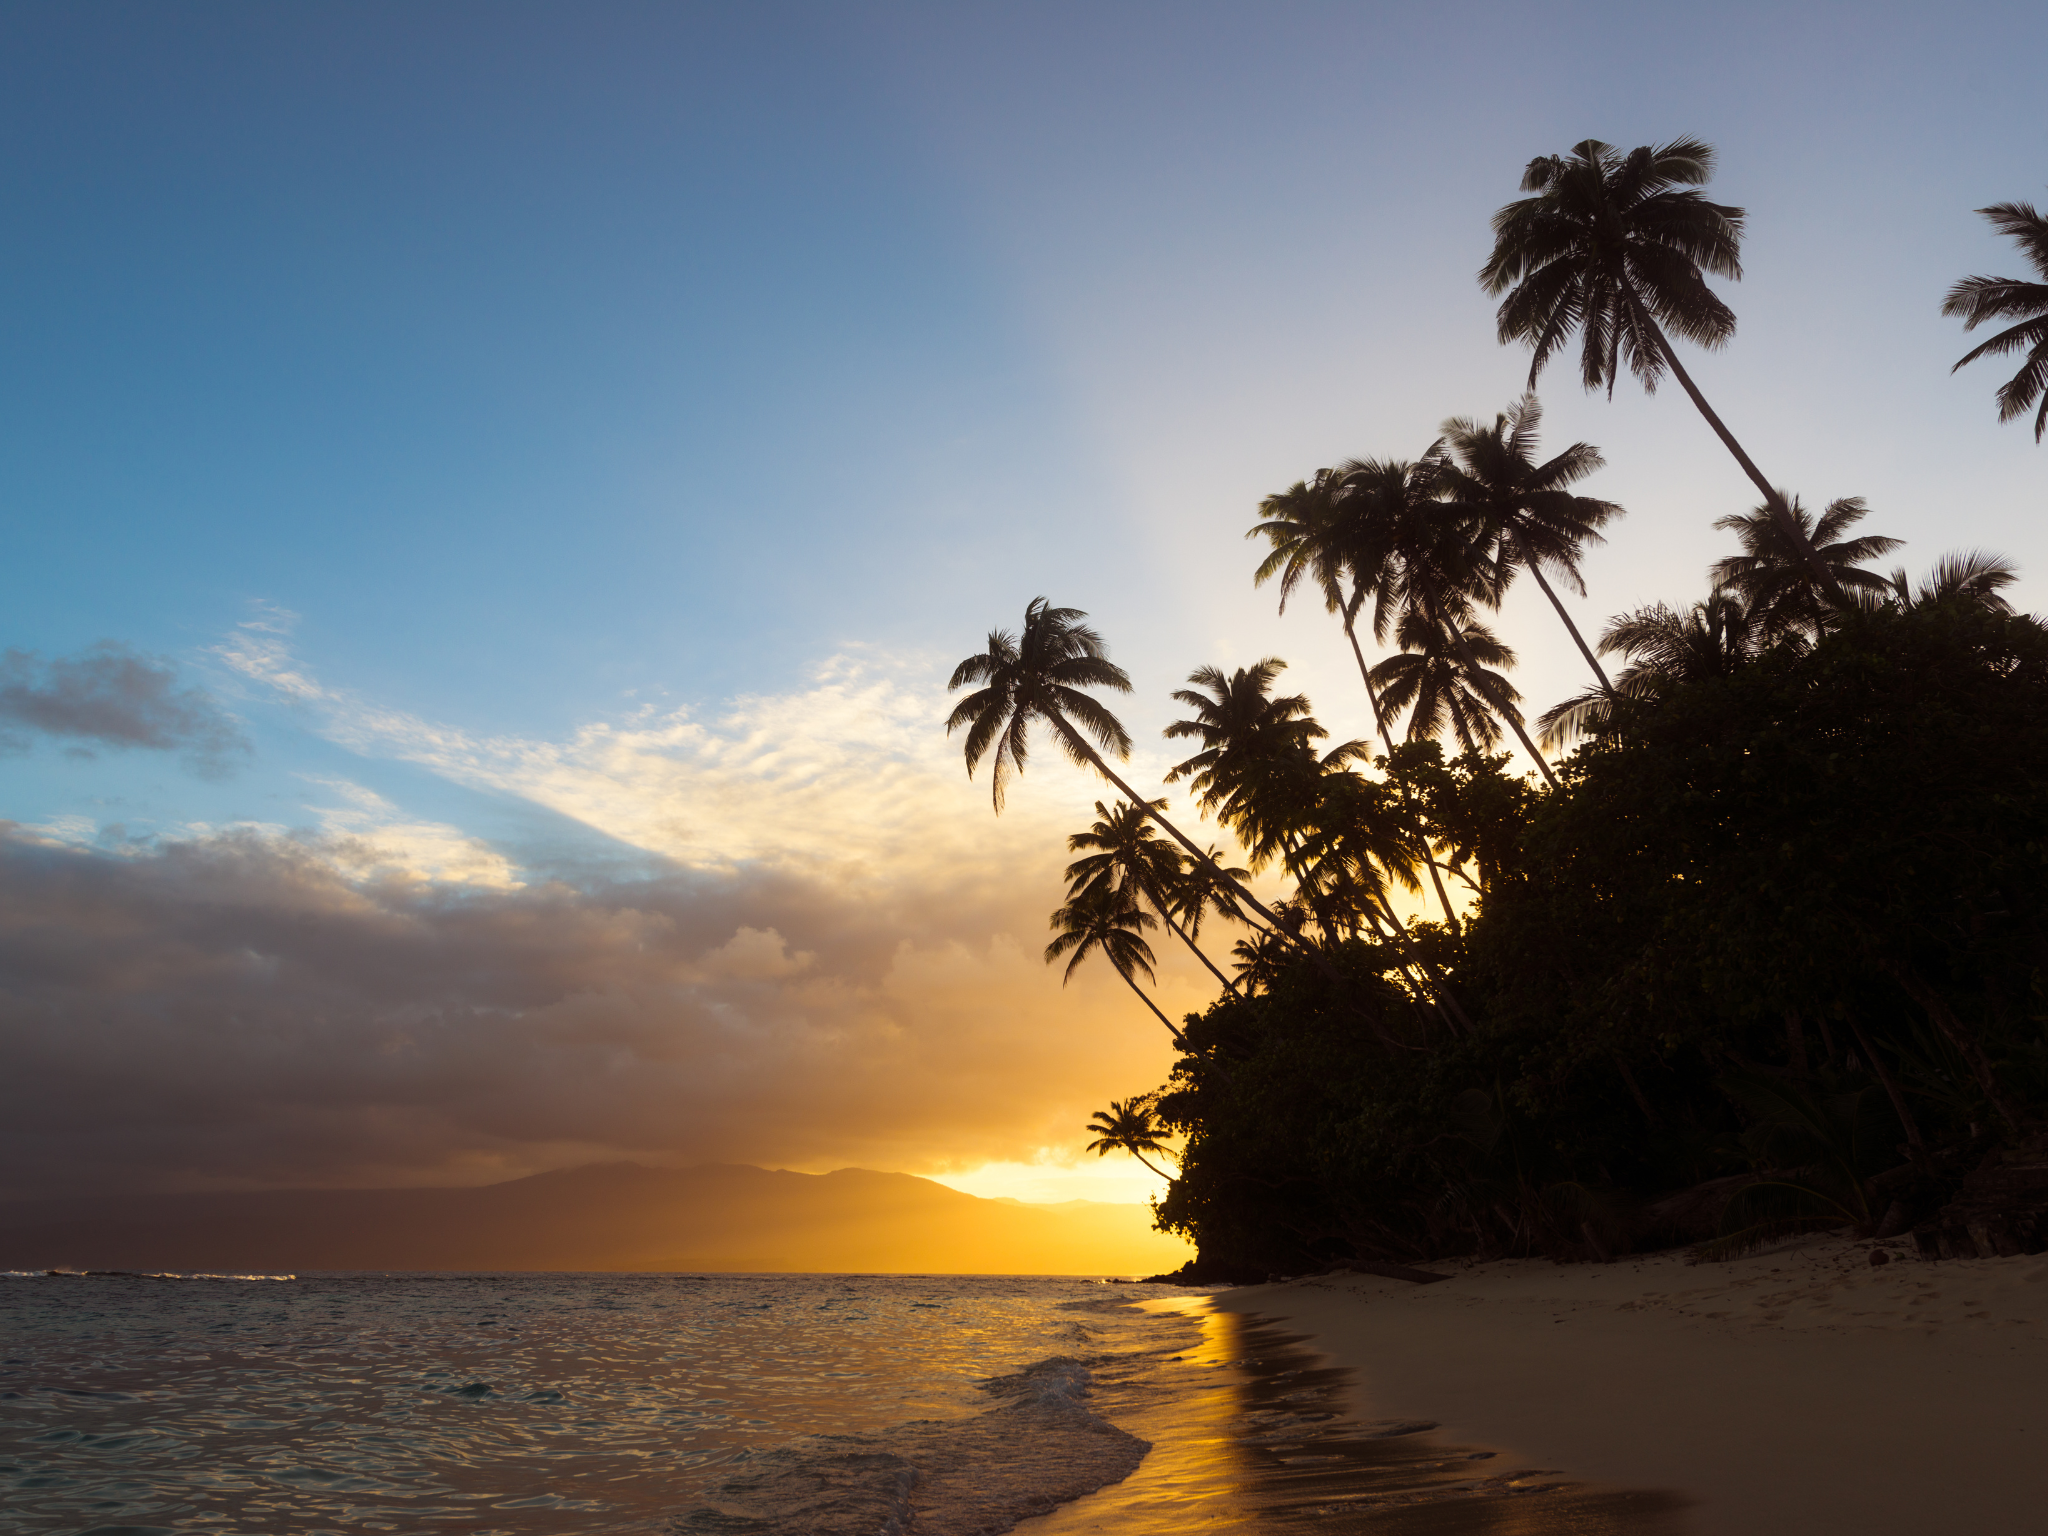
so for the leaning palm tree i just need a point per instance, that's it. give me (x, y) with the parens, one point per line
(1307, 527)
(1666, 649)
(1617, 247)
(1111, 924)
(1121, 852)
(1774, 578)
(1977, 299)
(1128, 1125)
(1523, 505)
(1039, 674)
(1432, 679)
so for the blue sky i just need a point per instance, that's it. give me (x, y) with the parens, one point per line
(455, 393)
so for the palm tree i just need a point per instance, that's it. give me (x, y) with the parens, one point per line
(1418, 554)
(1665, 648)
(1775, 580)
(1111, 923)
(1128, 1126)
(1524, 506)
(1617, 247)
(1323, 529)
(1206, 888)
(1975, 574)
(1431, 679)
(1305, 525)
(1977, 299)
(1039, 674)
(1127, 856)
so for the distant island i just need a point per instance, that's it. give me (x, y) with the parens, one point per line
(610, 1216)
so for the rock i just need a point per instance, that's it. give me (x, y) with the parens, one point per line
(1879, 1256)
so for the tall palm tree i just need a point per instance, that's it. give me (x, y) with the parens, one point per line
(1109, 923)
(1321, 530)
(1666, 648)
(1128, 1125)
(1524, 506)
(1432, 679)
(1122, 853)
(1440, 564)
(1776, 582)
(1305, 525)
(1977, 299)
(1617, 247)
(1039, 674)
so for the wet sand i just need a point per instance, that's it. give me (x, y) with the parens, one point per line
(1796, 1391)
(1252, 1433)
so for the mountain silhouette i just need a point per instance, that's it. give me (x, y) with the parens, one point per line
(609, 1216)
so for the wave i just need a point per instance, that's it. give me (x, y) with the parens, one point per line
(951, 1477)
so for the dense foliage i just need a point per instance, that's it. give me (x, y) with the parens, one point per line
(1763, 951)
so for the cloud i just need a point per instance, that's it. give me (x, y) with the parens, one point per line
(111, 696)
(249, 1008)
(371, 835)
(837, 961)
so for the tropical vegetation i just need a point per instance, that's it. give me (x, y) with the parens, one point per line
(1747, 937)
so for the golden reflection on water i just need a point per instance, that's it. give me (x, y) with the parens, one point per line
(1252, 1433)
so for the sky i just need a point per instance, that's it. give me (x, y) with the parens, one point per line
(495, 492)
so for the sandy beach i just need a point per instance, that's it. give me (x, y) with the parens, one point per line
(1800, 1390)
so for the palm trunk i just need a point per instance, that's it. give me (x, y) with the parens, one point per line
(1094, 758)
(1181, 934)
(1379, 718)
(1179, 1039)
(1507, 712)
(1141, 1157)
(1577, 639)
(1439, 988)
(1779, 511)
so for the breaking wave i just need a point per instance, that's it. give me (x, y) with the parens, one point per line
(1041, 1447)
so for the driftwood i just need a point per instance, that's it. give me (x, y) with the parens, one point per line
(2001, 1209)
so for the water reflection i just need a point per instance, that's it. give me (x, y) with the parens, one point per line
(1252, 1433)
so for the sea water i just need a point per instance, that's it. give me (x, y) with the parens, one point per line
(706, 1405)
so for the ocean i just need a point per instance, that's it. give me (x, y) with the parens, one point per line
(708, 1405)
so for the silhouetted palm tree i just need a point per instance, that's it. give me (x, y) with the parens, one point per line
(1432, 560)
(1978, 299)
(1203, 889)
(1975, 574)
(1252, 743)
(1617, 248)
(1524, 506)
(1333, 530)
(1306, 526)
(1039, 674)
(1431, 679)
(1665, 648)
(1128, 1126)
(1111, 923)
(1127, 856)
(1776, 581)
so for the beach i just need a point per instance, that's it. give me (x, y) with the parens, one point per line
(1798, 1390)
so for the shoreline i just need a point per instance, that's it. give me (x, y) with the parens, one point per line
(1795, 1391)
